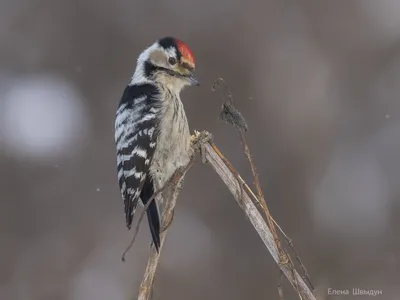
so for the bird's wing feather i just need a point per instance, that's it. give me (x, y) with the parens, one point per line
(136, 138)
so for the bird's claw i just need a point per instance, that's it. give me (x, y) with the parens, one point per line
(198, 140)
(200, 137)
(181, 184)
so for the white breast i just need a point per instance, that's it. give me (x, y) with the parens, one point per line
(173, 142)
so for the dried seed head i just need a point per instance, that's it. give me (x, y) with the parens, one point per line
(230, 115)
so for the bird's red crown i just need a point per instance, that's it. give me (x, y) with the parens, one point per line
(186, 53)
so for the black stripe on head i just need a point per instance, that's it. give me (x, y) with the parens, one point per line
(150, 70)
(169, 42)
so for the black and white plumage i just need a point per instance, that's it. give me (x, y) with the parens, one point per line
(151, 130)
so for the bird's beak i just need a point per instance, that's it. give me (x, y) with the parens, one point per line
(192, 80)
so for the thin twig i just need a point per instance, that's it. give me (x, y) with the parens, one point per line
(234, 121)
(287, 238)
(229, 114)
(146, 285)
(234, 182)
(254, 198)
(290, 244)
(261, 198)
(282, 253)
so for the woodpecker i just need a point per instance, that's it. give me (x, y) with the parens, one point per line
(151, 129)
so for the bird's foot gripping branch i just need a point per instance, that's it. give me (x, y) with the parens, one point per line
(199, 140)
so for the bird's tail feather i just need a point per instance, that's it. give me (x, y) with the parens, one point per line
(154, 223)
(152, 211)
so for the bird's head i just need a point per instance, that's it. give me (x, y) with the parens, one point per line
(169, 62)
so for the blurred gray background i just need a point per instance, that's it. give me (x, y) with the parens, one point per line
(324, 120)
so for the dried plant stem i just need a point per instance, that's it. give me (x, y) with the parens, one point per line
(284, 258)
(230, 115)
(148, 278)
(291, 246)
(235, 121)
(261, 199)
(243, 195)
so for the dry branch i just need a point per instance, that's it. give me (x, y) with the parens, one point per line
(243, 195)
(230, 115)
(148, 278)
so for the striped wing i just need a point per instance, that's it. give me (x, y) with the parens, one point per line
(135, 138)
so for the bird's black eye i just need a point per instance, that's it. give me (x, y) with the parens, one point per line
(172, 61)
